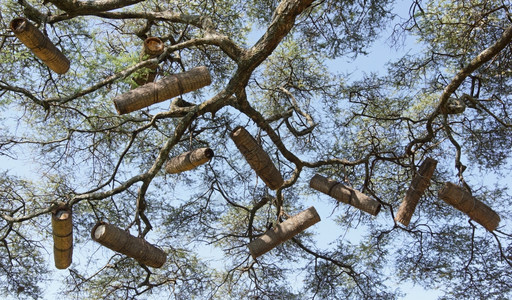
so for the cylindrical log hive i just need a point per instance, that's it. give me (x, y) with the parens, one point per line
(257, 158)
(166, 88)
(283, 232)
(419, 184)
(62, 227)
(153, 47)
(40, 45)
(465, 202)
(123, 242)
(345, 194)
(188, 160)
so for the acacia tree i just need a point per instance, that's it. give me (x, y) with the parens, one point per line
(270, 67)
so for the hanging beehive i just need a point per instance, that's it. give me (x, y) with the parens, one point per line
(257, 158)
(462, 200)
(40, 45)
(345, 194)
(166, 88)
(62, 229)
(283, 232)
(419, 184)
(153, 47)
(123, 242)
(188, 160)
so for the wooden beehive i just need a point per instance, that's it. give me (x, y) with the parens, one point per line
(283, 232)
(188, 160)
(153, 47)
(257, 158)
(462, 200)
(419, 184)
(123, 242)
(62, 230)
(40, 45)
(345, 194)
(166, 88)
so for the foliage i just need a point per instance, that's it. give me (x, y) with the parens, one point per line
(275, 69)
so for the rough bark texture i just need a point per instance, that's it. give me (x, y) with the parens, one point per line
(465, 202)
(40, 45)
(62, 227)
(123, 242)
(153, 47)
(345, 194)
(419, 184)
(283, 232)
(188, 160)
(168, 87)
(257, 158)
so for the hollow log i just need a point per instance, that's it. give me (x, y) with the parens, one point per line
(188, 160)
(166, 88)
(345, 194)
(257, 158)
(283, 232)
(123, 242)
(419, 184)
(462, 200)
(62, 228)
(153, 47)
(40, 45)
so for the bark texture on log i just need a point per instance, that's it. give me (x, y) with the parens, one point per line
(257, 158)
(153, 47)
(419, 184)
(466, 203)
(40, 45)
(345, 194)
(123, 242)
(283, 232)
(164, 89)
(62, 228)
(188, 160)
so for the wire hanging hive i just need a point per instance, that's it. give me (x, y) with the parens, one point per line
(283, 232)
(123, 242)
(153, 47)
(164, 89)
(188, 160)
(345, 194)
(462, 200)
(257, 158)
(62, 229)
(40, 45)
(419, 184)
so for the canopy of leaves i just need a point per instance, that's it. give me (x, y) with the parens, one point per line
(276, 69)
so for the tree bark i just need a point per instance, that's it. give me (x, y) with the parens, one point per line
(123, 242)
(419, 184)
(283, 232)
(345, 194)
(188, 160)
(465, 202)
(62, 227)
(40, 45)
(257, 158)
(167, 88)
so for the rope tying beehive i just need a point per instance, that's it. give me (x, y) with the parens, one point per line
(166, 88)
(188, 160)
(257, 158)
(40, 45)
(62, 228)
(345, 194)
(465, 202)
(419, 184)
(283, 232)
(123, 242)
